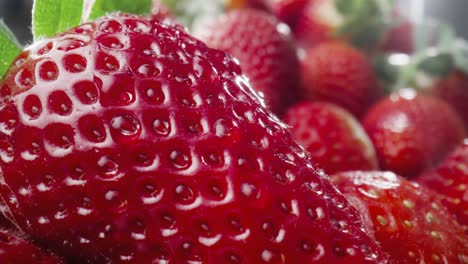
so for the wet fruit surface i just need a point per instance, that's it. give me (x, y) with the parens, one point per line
(127, 141)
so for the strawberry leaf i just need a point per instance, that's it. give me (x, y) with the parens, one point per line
(53, 16)
(9, 48)
(103, 7)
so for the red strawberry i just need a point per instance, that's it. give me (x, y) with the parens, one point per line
(128, 141)
(408, 220)
(287, 10)
(334, 138)
(450, 180)
(412, 131)
(399, 38)
(453, 88)
(341, 74)
(264, 49)
(15, 250)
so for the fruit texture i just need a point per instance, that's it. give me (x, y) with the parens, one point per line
(412, 132)
(334, 139)
(126, 140)
(16, 250)
(453, 88)
(264, 49)
(450, 180)
(340, 74)
(408, 221)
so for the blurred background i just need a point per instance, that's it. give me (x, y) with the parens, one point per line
(17, 14)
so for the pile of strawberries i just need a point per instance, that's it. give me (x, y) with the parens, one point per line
(266, 134)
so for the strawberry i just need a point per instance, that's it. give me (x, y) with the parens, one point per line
(450, 180)
(399, 38)
(264, 49)
(287, 11)
(408, 220)
(128, 141)
(453, 88)
(412, 131)
(341, 74)
(335, 140)
(16, 250)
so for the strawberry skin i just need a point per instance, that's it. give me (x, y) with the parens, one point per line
(265, 51)
(340, 74)
(16, 250)
(450, 180)
(335, 140)
(287, 11)
(128, 141)
(453, 88)
(412, 132)
(408, 220)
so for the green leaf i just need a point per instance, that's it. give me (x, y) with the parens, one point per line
(439, 64)
(9, 48)
(54, 16)
(103, 7)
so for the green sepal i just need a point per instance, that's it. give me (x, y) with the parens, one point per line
(440, 64)
(104, 7)
(366, 21)
(9, 48)
(54, 16)
(191, 12)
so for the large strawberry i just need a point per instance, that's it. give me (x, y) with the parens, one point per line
(16, 250)
(341, 74)
(128, 141)
(408, 220)
(450, 180)
(412, 132)
(265, 51)
(334, 138)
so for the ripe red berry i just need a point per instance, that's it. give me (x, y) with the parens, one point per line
(450, 180)
(16, 250)
(412, 132)
(334, 138)
(265, 51)
(341, 74)
(408, 220)
(129, 141)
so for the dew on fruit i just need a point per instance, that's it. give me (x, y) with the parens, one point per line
(24, 191)
(137, 26)
(86, 91)
(74, 63)
(249, 190)
(162, 127)
(60, 103)
(32, 106)
(70, 44)
(107, 167)
(126, 125)
(153, 91)
(48, 71)
(180, 160)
